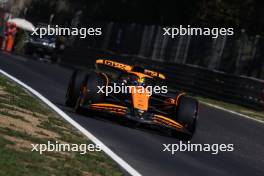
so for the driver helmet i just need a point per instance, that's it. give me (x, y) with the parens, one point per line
(141, 81)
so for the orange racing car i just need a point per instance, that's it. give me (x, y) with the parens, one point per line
(135, 100)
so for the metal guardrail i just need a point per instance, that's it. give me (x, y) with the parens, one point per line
(239, 90)
(244, 91)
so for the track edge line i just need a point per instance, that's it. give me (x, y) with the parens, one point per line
(129, 169)
(232, 112)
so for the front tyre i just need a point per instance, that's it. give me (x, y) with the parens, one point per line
(89, 91)
(92, 83)
(73, 91)
(187, 114)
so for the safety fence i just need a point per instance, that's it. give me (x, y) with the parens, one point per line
(240, 54)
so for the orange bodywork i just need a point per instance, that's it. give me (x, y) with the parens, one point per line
(118, 65)
(129, 68)
(154, 74)
(164, 120)
(140, 98)
(122, 110)
(112, 108)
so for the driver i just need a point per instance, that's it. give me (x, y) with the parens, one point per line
(141, 82)
(133, 80)
(138, 81)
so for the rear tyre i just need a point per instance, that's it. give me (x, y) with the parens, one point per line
(187, 113)
(73, 91)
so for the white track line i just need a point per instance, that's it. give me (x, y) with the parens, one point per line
(232, 112)
(108, 151)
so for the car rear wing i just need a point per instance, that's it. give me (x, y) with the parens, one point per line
(128, 68)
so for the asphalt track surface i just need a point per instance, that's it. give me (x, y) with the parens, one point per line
(142, 149)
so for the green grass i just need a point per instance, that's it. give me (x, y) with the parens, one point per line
(19, 161)
(20, 98)
(233, 107)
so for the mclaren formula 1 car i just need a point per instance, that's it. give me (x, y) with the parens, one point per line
(94, 92)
